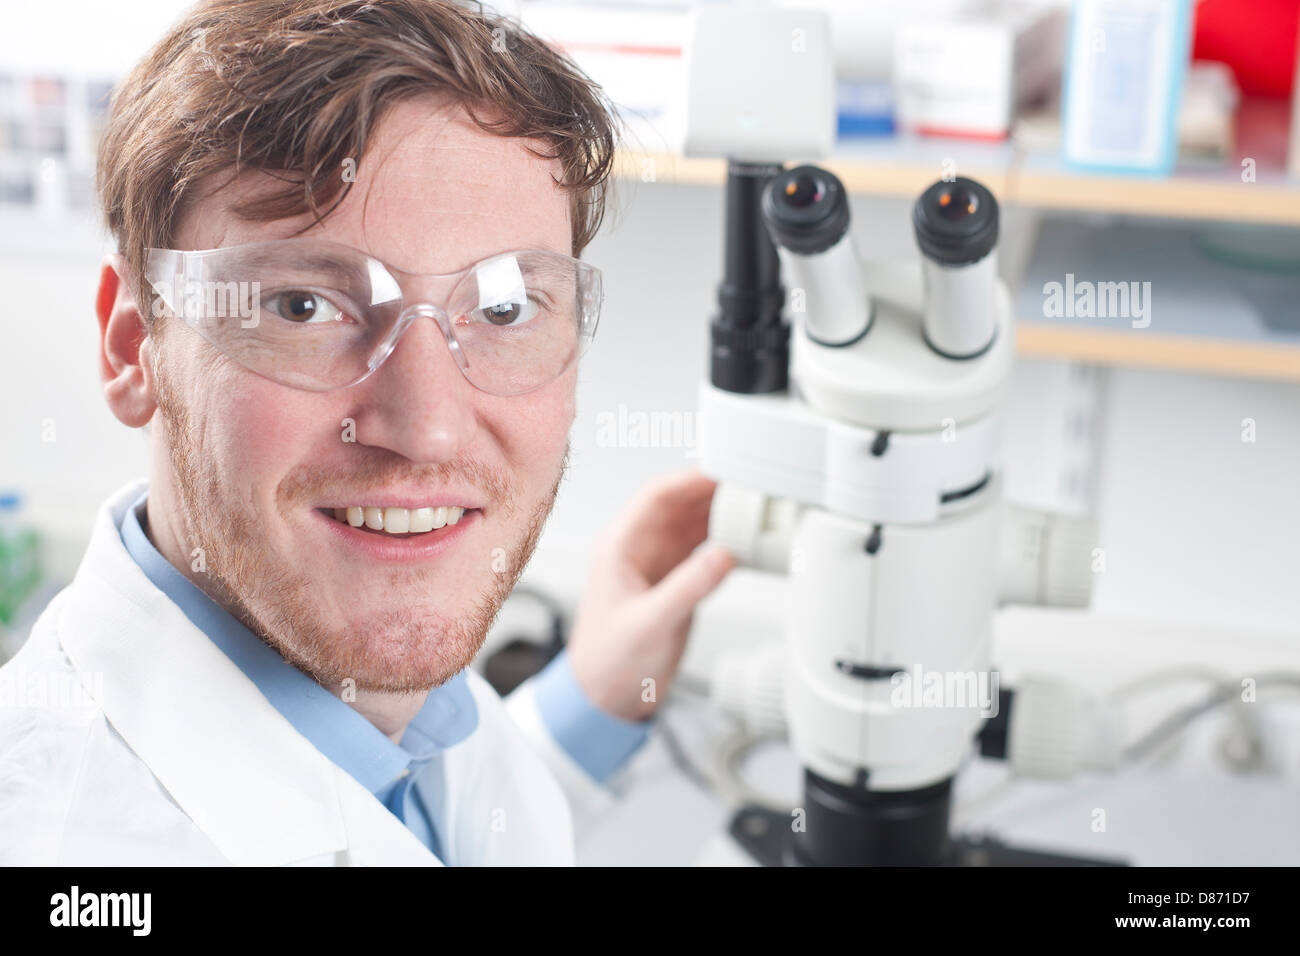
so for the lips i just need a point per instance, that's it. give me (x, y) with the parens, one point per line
(394, 547)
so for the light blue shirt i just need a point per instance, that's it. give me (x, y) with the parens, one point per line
(598, 742)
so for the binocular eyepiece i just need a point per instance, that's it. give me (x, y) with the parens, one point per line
(807, 215)
(956, 226)
(806, 212)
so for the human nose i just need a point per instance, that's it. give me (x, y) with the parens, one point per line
(418, 402)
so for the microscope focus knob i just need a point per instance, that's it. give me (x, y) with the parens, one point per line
(754, 527)
(1057, 729)
(1068, 561)
(1046, 559)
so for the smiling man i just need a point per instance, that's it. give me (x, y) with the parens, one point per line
(348, 303)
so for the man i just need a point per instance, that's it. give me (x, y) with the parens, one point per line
(347, 301)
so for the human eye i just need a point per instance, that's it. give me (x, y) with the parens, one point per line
(303, 307)
(508, 313)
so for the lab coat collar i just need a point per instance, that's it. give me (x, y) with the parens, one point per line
(251, 783)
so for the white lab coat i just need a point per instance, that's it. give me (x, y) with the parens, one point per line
(173, 756)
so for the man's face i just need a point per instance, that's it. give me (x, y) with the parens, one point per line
(250, 471)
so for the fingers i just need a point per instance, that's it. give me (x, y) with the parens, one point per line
(685, 486)
(663, 524)
(682, 497)
(675, 491)
(691, 581)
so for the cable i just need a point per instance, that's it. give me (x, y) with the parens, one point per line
(678, 753)
(1177, 721)
(1173, 675)
(720, 776)
(1224, 691)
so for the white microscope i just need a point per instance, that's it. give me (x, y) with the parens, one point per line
(852, 422)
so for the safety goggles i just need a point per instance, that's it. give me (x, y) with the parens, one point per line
(317, 315)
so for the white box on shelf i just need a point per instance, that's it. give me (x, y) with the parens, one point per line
(1125, 70)
(633, 51)
(968, 74)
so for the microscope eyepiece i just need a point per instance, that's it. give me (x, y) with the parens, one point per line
(956, 226)
(957, 222)
(806, 210)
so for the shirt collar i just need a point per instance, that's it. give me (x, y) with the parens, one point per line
(448, 716)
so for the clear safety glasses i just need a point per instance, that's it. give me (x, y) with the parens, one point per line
(317, 315)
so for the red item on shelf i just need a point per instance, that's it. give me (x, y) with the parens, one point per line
(1256, 38)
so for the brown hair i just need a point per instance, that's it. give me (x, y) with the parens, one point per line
(296, 87)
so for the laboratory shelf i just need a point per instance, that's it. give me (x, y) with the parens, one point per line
(1207, 356)
(891, 168)
(1212, 319)
(1210, 302)
(904, 165)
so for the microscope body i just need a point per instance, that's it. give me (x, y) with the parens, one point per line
(873, 483)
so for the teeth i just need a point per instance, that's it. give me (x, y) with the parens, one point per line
(422, 520)
(399, 520)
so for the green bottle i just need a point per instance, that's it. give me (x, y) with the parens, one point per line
(20, 560)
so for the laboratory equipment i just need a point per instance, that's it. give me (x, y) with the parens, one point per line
(851, 418)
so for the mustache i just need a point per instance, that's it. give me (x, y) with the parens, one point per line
(311, 483)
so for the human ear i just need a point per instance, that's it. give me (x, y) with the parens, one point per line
(124, 347)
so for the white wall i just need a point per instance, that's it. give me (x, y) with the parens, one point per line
(82, 36)
(62, 447)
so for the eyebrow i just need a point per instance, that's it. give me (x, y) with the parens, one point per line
(326, 261)
(350, 261)
(323, 262)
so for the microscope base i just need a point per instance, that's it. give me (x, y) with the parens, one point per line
(766, 836)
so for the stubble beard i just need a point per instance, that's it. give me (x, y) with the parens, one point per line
(403, 651)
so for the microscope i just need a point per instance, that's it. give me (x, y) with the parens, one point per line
(851, 419)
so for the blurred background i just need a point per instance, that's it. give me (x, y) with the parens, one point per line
(1179, 432)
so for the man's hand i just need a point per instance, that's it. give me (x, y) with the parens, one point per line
(646, 578)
